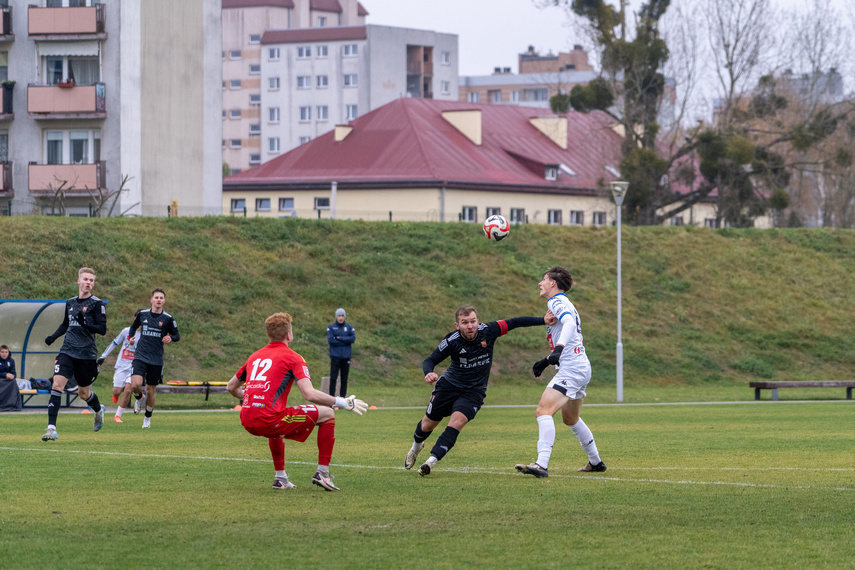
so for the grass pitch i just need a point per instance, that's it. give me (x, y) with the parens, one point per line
(729, 485)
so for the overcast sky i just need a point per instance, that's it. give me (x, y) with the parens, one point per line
(491, 32)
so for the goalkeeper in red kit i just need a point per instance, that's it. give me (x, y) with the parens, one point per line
(263, 384)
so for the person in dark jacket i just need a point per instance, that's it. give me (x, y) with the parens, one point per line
(7, 368)
(340, 335)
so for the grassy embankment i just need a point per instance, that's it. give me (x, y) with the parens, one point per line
(703, 308)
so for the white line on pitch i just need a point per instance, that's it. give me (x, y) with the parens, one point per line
(486, 470)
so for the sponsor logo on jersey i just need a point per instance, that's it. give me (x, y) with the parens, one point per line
(257, 405)
(306, 371)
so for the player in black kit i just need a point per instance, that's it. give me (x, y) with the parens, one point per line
(460, 392)
(85, 316)
(157, 327)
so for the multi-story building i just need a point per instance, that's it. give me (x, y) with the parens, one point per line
(293, 69)
(110, 107)
(539, 78)
(314, 79)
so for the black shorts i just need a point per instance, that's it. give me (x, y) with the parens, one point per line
(84, 372)
(152, 373)
(447, 398)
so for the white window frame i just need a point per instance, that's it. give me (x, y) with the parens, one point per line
(445, 58)
(599, 218)
(352, 111)
(304, 52)
(260, 204)
(273, 146)
(283, 205)
(303, 140)
(577, 218)
(322, 203)
(254, 39)
(495, 95)
(305, 113)
(238, 204)
(445, 87)
(515, 96)
(304, 82)
(235, 55)
(235, 114)
(469, 214)
(709, 223)
(351, 80)
(551, 172)
(677, 221)
(323, 113)
(234, 84)
(255, 98)
(517, 216)
(322, 81)
(472, 97)
(350, 50)
(235, 144)
(553, 217)
(273, 83)
(255, 129)
(492, 212)
(322, 21)
(255, 69)
(322, 51)
(273, 115)
(255, 158)
(273, 54)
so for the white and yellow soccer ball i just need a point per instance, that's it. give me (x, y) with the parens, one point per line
(496, 228)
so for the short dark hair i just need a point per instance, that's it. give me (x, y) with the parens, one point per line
(3, 347)
(561, 276)
(463, 311)
(158, 290)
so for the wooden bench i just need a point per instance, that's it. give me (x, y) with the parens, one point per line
(206, 388)
(774, 385)
(27, 395)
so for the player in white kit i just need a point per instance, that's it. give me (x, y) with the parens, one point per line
(122, 370)
(567, 389)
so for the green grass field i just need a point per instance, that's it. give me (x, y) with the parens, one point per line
(720, 486)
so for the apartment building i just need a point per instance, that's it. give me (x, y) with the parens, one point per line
(110, 107)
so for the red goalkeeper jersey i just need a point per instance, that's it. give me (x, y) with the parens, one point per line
(269, 375)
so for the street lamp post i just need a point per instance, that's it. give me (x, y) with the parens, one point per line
(619, 188)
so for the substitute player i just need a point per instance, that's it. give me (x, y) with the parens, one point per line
(85, 316)
(122, 369)
(269, 374)
(459, 393)
(157, 327)
(567, 389)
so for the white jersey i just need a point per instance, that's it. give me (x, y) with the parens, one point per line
(125, 359)
(567, 331)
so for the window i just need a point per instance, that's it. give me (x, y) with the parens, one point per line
(599, 218)
(517, 215)
(234, 84)
(535, 94)
(493, 212)
(305, 113)
(273, 83)
(322, 203)
(234, 54)
(255, 38)
(273, 144)
(224, 55)
(322, 81)
(515, 96)
(352, 111)
(304, 140)
(469, 214)
(255, 99)
(81, 70)
(553, 217)
(676, 220)
(709, 222)
(445, 86)
(577, 218)
(224, 85)
(273, 54)
(286, 204)
(234, 143)
(67, 147)
(224, 144)
(304, 52)
(255, 159)
(4, 65)
(238, 204)
(235, 171)
(350, 50)
(304, 81)
(234, 114)
(262, 204)
(79, 147)
(255, 129)
(494, 95)
(323, 112)
(445, 58)
(255, 69)
(224, 113)
(551, 172)
(473, 97)
(273, 114)
(322, 51)
(350, 79)
(322, 21)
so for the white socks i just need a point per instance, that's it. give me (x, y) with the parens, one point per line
(586, 438)
(432, 460)
(281, 474)
(119, 411)
(545, 440)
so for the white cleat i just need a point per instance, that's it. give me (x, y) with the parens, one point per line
(139, 404)
(146, 423)
(413, 454)
(50, 435)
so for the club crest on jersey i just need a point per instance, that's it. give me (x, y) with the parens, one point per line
(484, 343)
(160, 323)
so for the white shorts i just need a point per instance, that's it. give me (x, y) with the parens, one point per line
(122, 377)
(572, 378)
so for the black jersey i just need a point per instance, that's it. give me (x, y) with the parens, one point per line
(153, 327)
(80, 339)
(471, 360)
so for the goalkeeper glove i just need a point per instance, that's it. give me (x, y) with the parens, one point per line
(556, 355)
(539, 367)
(100, 361)
(49, 340)
(351, 404)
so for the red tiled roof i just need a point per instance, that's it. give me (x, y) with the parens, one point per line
(340, 33)
(325, 6)
(360, 9)
(257, 3)
(408, 143)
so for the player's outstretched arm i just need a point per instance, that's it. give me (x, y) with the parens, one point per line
(351, 403)
(234, 387)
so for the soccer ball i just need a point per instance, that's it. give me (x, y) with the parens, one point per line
(496, 228)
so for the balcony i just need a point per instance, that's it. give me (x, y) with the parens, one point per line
(7, 90)
(73, 23)
(65, 101)
(72, 179)
(6, 188)
(6, 33)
